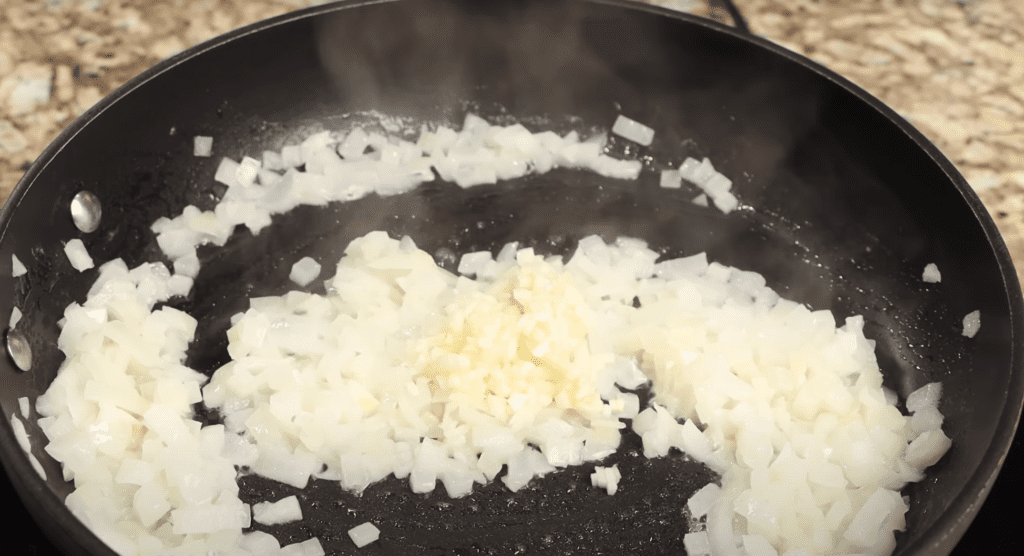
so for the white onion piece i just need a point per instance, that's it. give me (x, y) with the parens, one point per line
(210, 518)
(473, 264)
(972, 323)
(78, 255)
(688, 169)
(364, 534)
(291, 156)
(258, 543)
(697, 544)
(247, 171)
(926, 450)
(720, 529)
(25, 406)
(187, 265)
(226, 172)
(931, 274)
(20, 434)
(757, 545)
(633, 130)
(717, 185)
(310, 547)
(284, 510)
(304, 271)
(37, 466)
(925, 397)
(17, 268)
(292, 469)
(202, 145)
(726, 202)
(606, 478)
(702, 173)
(671, 179)
(354, 144)
(703, 500)
(15, 317)
(701, 200)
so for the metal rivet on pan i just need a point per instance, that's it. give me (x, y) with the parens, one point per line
(18, 349)
(86, 211)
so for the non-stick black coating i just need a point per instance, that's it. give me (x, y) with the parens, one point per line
(844, 205)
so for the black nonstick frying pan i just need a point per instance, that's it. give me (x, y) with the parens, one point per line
(844, 203)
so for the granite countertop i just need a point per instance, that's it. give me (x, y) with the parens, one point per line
(953, 68)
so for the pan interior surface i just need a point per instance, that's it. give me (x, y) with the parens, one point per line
(843, 208)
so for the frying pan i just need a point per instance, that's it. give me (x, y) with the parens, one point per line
(844, 203)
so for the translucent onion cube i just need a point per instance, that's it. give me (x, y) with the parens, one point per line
(925, 396)
(210, 518)
(259, 543)
(291, 156)
(150, 503)
(606, 478)
(202, 145)
(364, 534)
(688, 169)
(867, 524)
(671, 179)
(633, 130)
(226, 172)
(726, 202)
(304, 271)
(279, 464)
(927, 449)
(701, 502)
(78, 255)
(247, 171)
(972, 322)
(354, 144)
(697, 544)
(717, 184)
(17, 268)
(756, 545)
(15, 317)
(311, 547)
(284, 510)
(931, 274)
(474, 263)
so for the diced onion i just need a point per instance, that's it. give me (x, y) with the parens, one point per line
(283, 511)
(310, 547)
(364, 534)
(790, 407)
(202, 145)
(78, 255)
(671, 179)
(633, 130)
(972, 323)
(931, 274)
(304, 271)
(697, 544)
(17, 268)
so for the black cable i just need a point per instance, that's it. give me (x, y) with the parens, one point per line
(734, 13)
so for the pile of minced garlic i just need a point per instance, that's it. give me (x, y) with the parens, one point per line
(520, 365)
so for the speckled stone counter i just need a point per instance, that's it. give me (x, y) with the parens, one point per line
(955, 69)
